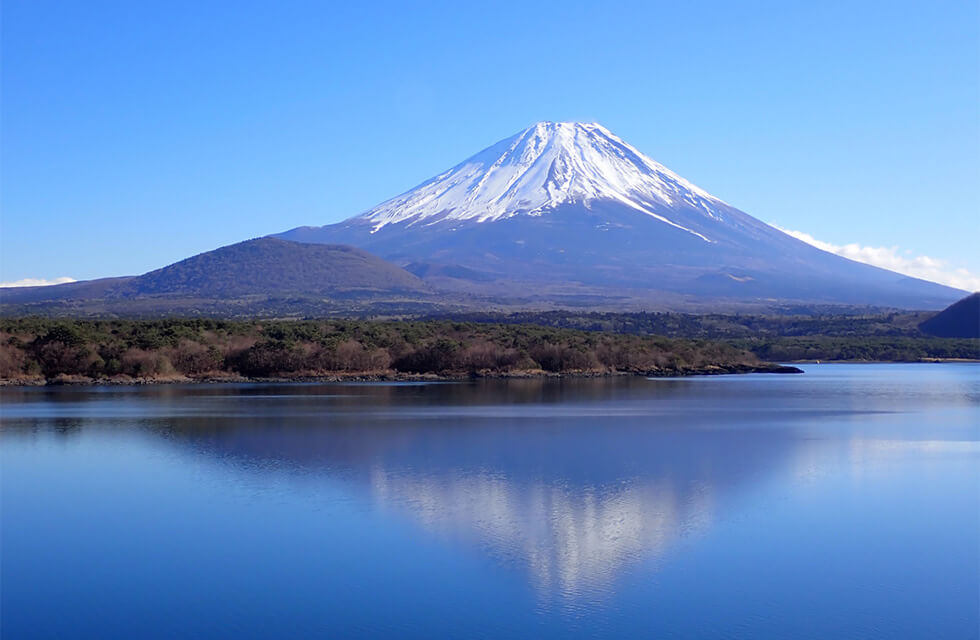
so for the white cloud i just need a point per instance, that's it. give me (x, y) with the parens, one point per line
(932, 269)
(36, 282)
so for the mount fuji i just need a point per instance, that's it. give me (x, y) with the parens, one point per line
(567, 211)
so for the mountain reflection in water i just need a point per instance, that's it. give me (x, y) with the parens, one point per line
(573, 481)
(840, 503)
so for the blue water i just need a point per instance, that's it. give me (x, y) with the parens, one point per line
(843, 503)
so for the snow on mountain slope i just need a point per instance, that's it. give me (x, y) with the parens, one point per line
(565, 206)
(542, 167)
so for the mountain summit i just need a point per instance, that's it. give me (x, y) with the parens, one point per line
(568, 211)
(537, 170)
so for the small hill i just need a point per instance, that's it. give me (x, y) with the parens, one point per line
(959, 320)
(265, 276)
(271, 265)
(81, 290)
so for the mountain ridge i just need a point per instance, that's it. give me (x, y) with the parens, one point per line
(260, 274)
(268, 264)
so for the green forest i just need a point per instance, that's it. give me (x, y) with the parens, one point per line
(37, 350)
(42, 349)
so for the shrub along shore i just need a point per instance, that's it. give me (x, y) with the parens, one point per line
(41, 350)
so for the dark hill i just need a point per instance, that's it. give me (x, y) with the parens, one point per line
(81, 290)
(270, 265)
(959, 320)
(261, 276)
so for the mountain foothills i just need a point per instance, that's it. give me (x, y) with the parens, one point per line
(267, 265)
(959, 320)
(568, 212)
(560, 215)
(265, 274)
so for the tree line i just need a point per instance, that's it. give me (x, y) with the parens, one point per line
(35, 348)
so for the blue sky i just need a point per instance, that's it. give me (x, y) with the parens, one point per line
(135, 134)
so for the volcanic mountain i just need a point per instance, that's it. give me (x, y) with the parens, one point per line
(566, 209)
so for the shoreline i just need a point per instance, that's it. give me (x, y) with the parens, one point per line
(394, 377)
(327, 378)
(919, 361)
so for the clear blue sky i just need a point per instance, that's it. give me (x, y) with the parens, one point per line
(135, 134)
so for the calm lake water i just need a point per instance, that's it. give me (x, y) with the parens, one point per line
(843, 503)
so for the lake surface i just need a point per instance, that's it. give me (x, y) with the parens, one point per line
(843, 503)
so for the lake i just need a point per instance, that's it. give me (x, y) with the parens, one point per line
(842, 503)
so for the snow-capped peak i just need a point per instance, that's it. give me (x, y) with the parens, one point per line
(540, 168)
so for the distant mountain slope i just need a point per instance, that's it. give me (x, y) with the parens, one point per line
(271, 265)
(959, 320)
(571, 205)
(256, 275)
(80, 290)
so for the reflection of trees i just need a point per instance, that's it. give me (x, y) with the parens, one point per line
(575, 481)
(574, 501)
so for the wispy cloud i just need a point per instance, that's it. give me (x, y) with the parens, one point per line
(36, 282)
(932, 269)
